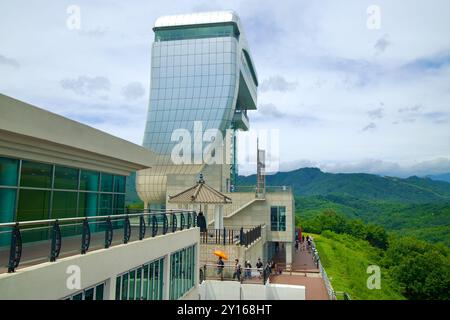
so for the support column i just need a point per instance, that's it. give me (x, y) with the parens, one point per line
(166, 274)
(218, 216)
(288, 249)
(110, 289)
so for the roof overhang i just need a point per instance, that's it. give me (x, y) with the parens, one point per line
(32, 133)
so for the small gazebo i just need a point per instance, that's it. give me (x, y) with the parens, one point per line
(201, 193)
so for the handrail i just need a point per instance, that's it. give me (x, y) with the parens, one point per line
(124, 215)
(15, 253)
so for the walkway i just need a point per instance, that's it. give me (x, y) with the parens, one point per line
(303, 272)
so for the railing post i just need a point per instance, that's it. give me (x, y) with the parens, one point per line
(141, 227)
(154, 225)
(108, 233)
(181, 220)
(241, 236)
(165, 223)
(188, 220)
(194, 218)
(174, 222)
(56, 241)
(15, 251)
(126, 230)
(86, 237)
(224, 236)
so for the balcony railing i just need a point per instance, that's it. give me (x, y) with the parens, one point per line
(31, 242)
(231, 236)
(228, 273)
(269, 189)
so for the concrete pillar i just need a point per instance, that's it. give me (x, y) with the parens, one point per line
(110, 289)
(166, 274)
(218, 216)
(288, 248)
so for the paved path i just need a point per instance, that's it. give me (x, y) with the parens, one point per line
(304, 272)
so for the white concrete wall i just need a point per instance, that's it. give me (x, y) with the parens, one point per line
(220, 290)
(47, 281)
(253, 292)
(234, 290)
(285, 292)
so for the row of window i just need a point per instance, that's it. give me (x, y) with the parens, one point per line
(206, 93)
(218, 70)
(182, 272)
(197, 32)
(278, 218)
(207, 79)
(142, 283)
(48, 176)
(197, 44)
(93, 293)
(192, 60)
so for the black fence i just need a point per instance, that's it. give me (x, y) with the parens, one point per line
(32, 242)
(231, 236)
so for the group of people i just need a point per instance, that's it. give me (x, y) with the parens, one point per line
(304, 243)
(237, 273)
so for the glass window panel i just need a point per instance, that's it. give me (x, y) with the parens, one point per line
(145, 282)
(125, 287)
(105, 204)
(66, 178)
(78, 296)
(88, 202)
(118, 281)
(64, 204)
(8, 171)
(274, 218)
(107, 182)
(33, 205)
(119, 204)
(38, 175)
(119, 184)
(151, 282)
(7, 204)
(89, 180)
(99, 291)
(89, 294)
(132, 285)
(138, 283)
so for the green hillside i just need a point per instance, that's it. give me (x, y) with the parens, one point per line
(419, 207)
(313, 182)
(346, 258)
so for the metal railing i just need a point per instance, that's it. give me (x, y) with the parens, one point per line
(323, 273)
(269, 189)
(46, 240)
(229, 273)
(230, 236)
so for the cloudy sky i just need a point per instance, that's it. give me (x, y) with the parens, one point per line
(343, 94)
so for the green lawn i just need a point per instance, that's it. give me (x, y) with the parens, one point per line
(346, 259)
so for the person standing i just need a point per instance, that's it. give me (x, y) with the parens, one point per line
(259, 265)
(237, 270)
(296, 245)
(248, 270)
(201, 222)
(220, 266)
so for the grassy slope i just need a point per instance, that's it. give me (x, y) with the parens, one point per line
(346, 259)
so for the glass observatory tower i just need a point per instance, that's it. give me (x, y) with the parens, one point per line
(201, 71)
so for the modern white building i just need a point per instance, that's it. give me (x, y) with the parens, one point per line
(64, 232)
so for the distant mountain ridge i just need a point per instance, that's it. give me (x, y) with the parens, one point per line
(314, 182)
(440, 177)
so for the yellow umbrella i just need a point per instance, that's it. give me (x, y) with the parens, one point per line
(222, 254)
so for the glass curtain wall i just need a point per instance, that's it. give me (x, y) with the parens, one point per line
(182, 272)
(37, 191)
(142, 283)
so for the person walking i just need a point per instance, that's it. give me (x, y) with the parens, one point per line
(259, 266)
(237, 270)
(220, 266)
(296, 245)
(248, 270)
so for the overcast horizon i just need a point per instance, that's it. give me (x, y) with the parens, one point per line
(344, 97)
